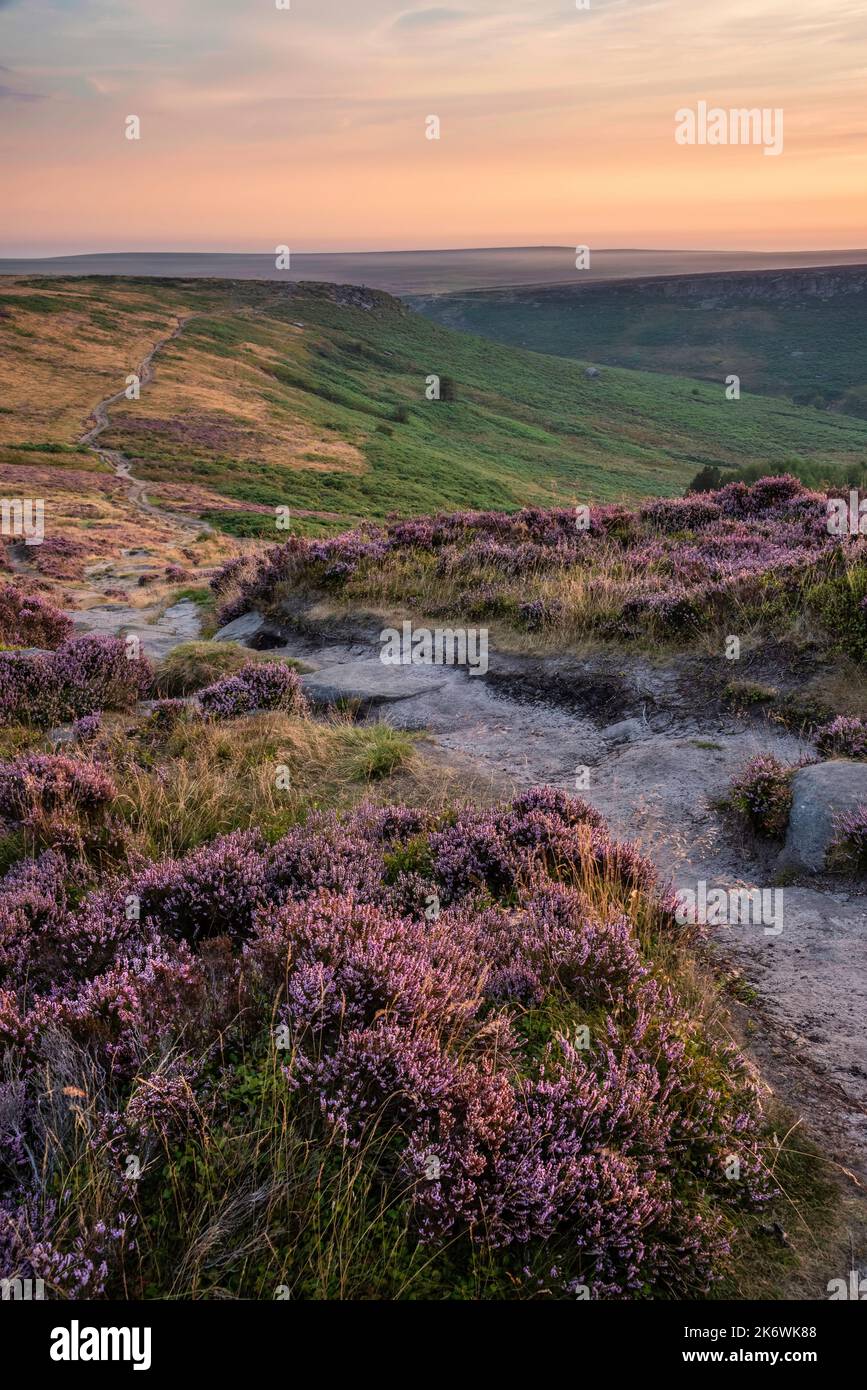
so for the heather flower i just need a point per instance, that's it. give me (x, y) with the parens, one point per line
(33, 899)
(269, 685)
(850, 840)
(86, 729)
(97, 672)
(84, 675)
(212, 892)
(842, 738)
(39, 783)
(28, 1248)
(29, 621)
(451, 1035)
(762, 794)
(324, 853)
(677, 562)
(165, 714)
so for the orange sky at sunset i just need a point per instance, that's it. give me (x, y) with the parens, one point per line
(306, 126)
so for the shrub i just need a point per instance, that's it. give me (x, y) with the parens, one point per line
(448, 389)
(743, 695)
(850, 841)
(50, 782)
(843, 738)
(435, 1054)
(84, 675)
(671, 567)
(539, 613)
(55, 802)
(87, 728)
(840, 602)
(269, 685)
(165, 714)
(707, 479)
(29, 621)
(762, 794)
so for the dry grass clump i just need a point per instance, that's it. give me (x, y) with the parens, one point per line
(193, 665)
(264, 771)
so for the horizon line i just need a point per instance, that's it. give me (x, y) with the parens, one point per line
(459, 250)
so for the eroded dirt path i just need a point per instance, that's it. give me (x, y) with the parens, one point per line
(117, 461)
(159, 628)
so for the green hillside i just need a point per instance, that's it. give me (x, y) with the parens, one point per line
(314, 397)
(797, 333)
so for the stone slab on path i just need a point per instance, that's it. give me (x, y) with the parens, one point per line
(178, 624)
(370, 682)
(242, 629)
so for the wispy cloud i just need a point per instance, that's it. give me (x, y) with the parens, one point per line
(430, 18)
(9, 92)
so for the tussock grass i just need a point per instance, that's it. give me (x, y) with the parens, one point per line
(193, 665)
(264, 771)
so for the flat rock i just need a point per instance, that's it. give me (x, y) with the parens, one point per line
(624, 731)
(179, 623)
(820, 794)
(242, 629)
(371, 682)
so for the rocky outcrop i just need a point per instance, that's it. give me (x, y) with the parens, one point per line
(821, 793)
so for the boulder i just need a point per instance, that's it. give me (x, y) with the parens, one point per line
(242, 629)
(592, 372)
(821, 793)
(624, 731)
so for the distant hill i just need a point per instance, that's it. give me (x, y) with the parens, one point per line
(314, 397)
(798, 333)
(428, 272)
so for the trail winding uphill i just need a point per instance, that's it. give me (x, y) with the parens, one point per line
(117, 461)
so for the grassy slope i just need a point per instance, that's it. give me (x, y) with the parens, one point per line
(806, 346)
(282, 396)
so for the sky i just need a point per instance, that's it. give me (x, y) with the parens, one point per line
(305, 126)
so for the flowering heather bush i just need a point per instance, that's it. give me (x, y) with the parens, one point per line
(33, 896)
(87, 728)
(842, 738)
(212, 892)
(53, 801)
(851, 837)
(84, 675)
(40, 782)
(658, 570)
(762, 794)
(29, 621)
(267, 685)
(27, 1250)
(431, 975)
(165, 714)
(60, 557)
(540, 612)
